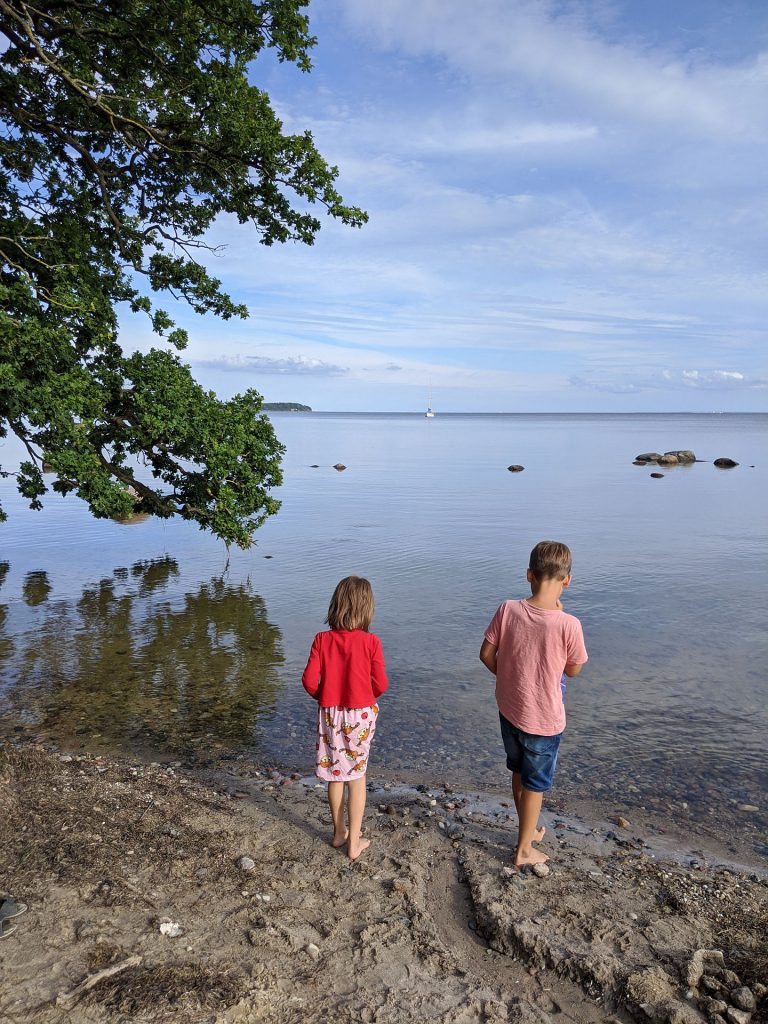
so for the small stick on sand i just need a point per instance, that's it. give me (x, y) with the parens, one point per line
(68, 999)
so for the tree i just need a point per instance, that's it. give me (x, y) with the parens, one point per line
(126, 129)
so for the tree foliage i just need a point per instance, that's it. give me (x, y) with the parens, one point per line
(126, 129)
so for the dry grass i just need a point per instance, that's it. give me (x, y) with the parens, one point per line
(78, 821)
(169, 992)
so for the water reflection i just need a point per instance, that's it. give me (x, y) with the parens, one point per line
(36, 588)
(5, 644)
(130, 665)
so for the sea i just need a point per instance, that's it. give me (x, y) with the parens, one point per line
(155, 640)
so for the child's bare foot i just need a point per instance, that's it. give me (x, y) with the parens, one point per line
(355, 849)
(529, 856)
(539, 834)
(339, 841)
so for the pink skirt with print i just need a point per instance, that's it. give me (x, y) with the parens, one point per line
(344, 742)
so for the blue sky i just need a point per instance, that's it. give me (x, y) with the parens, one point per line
(567, 208)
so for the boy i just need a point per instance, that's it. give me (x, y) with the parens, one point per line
(528, 646)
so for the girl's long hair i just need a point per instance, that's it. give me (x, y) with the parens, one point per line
(351, 606)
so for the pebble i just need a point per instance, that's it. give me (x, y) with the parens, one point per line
(390, 809)
(202, 873)
(623, 823)
(737, 1016)
(171, 929)
(748, 807)
(541, 870)
(313, 950)
(743, 999)
(246, 864)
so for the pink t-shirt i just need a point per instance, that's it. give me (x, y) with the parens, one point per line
(533, 647)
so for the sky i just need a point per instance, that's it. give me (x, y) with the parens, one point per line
(567, 206)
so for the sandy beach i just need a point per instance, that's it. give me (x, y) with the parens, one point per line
(157, 893)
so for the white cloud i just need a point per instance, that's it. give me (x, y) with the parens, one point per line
(293, 365)
(677, 380)
(551, 48)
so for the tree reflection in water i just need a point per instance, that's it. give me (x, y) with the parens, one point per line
(130, 666)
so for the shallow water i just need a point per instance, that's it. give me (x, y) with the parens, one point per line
(147, 637)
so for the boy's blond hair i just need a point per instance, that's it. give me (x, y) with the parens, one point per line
(550, 560)
(351, 606)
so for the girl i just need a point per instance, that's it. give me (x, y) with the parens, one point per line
(345, 674)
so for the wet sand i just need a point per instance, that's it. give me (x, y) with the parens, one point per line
(135, 882)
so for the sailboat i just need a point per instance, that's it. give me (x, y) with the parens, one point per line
(429, 414)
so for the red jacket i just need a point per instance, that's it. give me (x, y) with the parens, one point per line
(345, 669)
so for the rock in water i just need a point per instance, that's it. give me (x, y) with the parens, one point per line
(657, 476)
(669, 459)
(648, 457)
(725, 463)
(339, 467)
(515, 469)
(682, 455)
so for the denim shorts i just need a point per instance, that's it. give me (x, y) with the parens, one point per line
(533, 757)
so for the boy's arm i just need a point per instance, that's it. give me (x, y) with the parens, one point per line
(576, 652)
(488, 655)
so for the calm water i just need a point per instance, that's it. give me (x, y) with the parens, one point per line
(143, 637)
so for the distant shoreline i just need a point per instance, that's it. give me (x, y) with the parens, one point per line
(294, 407)
(285, 407)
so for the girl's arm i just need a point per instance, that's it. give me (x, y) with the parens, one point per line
(379, 681)
(310, 678)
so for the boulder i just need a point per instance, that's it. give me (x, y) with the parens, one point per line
(515, 469)
(648, 457)
(668, 459)
(725, 463)
(682, 455)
